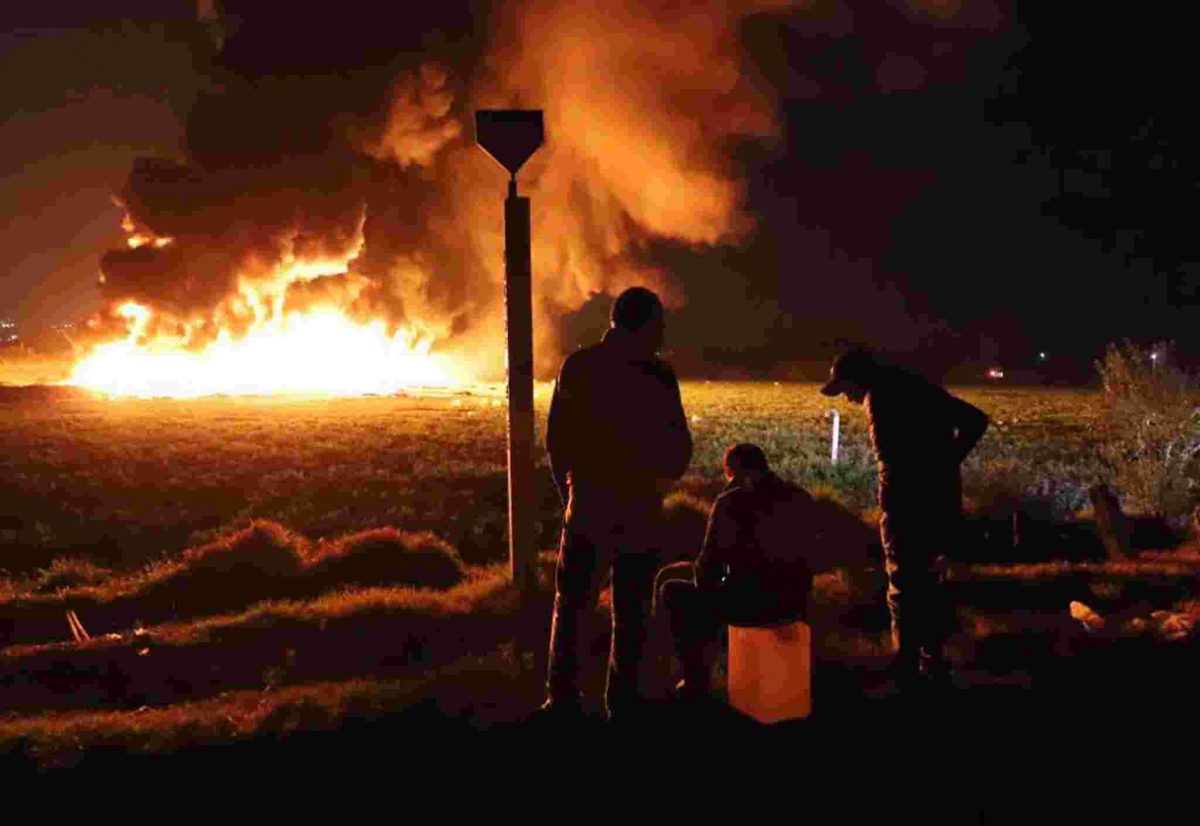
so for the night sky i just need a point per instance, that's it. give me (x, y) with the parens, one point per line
(953, 181)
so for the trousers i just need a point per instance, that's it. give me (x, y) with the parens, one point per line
(603, 534)
(697, 616)
(922, 614)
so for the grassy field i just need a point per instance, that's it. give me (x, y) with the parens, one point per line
(126, 481)
(253, 566)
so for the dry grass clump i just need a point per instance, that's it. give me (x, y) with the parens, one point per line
(264, 561)
(685, 518)
(384, 556)
(69, 572)
(378, 631)
(1163, 564)
(1188, 553)
(264, 546)
(62, 739)
(838, 537)
(833, 587)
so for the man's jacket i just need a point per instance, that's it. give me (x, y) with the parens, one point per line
(920, 434)
(755, 548)
(616, 421)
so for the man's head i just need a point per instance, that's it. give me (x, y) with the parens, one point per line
(745, 461)
(638, 314)
(851, 374)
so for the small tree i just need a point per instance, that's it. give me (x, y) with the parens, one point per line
(1150, 422)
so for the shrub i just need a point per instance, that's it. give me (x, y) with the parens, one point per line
(385, 556)
(69, 572)
(685, 518)
(1150, 428)
(837, 536)
(265, 547)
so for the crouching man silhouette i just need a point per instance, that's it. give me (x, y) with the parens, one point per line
(751, 569)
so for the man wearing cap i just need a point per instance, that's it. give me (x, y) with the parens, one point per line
(751, 569)
(616, 436)
(920, 434)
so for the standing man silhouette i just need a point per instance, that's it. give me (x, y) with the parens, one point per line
(616, 436)
(920, 434)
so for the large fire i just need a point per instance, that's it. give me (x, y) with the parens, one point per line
(249, 265)
(319, 350)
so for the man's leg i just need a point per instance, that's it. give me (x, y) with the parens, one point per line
(943, 618)
(902, 563)
(682, 571)
(632, 590)
(694, 624)
(575, 587)
(939, 622)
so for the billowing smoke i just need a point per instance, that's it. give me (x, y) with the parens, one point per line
(324, 171)
(331, 161)
(642, 101)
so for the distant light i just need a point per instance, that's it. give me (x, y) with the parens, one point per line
(1154, 356)
(1042, 356)
(995, 373)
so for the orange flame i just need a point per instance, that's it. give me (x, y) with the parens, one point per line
(138, 240)
(319, 350)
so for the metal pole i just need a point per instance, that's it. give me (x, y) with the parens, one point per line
(837, 427)
(518, 304)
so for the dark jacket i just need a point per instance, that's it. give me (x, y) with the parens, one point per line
(616, 421)
(920, 434)
(755, 547)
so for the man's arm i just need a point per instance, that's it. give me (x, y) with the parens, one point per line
(969, 423)
(720, 539)
(561, 423)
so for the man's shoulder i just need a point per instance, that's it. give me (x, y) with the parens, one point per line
(657, 368)
(731, 496)
(784, 490)
(580, 360)
(899, 385)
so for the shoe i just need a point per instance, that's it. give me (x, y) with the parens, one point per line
(688, 691)
(937, 673)
(906, 675)
(630, 714)
(560, 711)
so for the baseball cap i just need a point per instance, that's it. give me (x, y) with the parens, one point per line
(851, 366)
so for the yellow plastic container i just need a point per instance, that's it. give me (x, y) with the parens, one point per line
(770, 671)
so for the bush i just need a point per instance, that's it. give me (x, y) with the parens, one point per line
(69, 572)
(386, 556)
(264, 547)
(1150, 429)
(685, 518)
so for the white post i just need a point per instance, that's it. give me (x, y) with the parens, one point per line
(837, 426)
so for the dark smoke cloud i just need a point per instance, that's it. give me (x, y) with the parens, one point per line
(336, 130)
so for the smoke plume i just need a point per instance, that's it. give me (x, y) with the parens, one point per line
(331, 162)
(320, 170)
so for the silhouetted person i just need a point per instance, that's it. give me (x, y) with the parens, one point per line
(616, 435)
(751, 569)
(920, 434)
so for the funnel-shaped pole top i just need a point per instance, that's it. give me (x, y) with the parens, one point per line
(509, 135)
